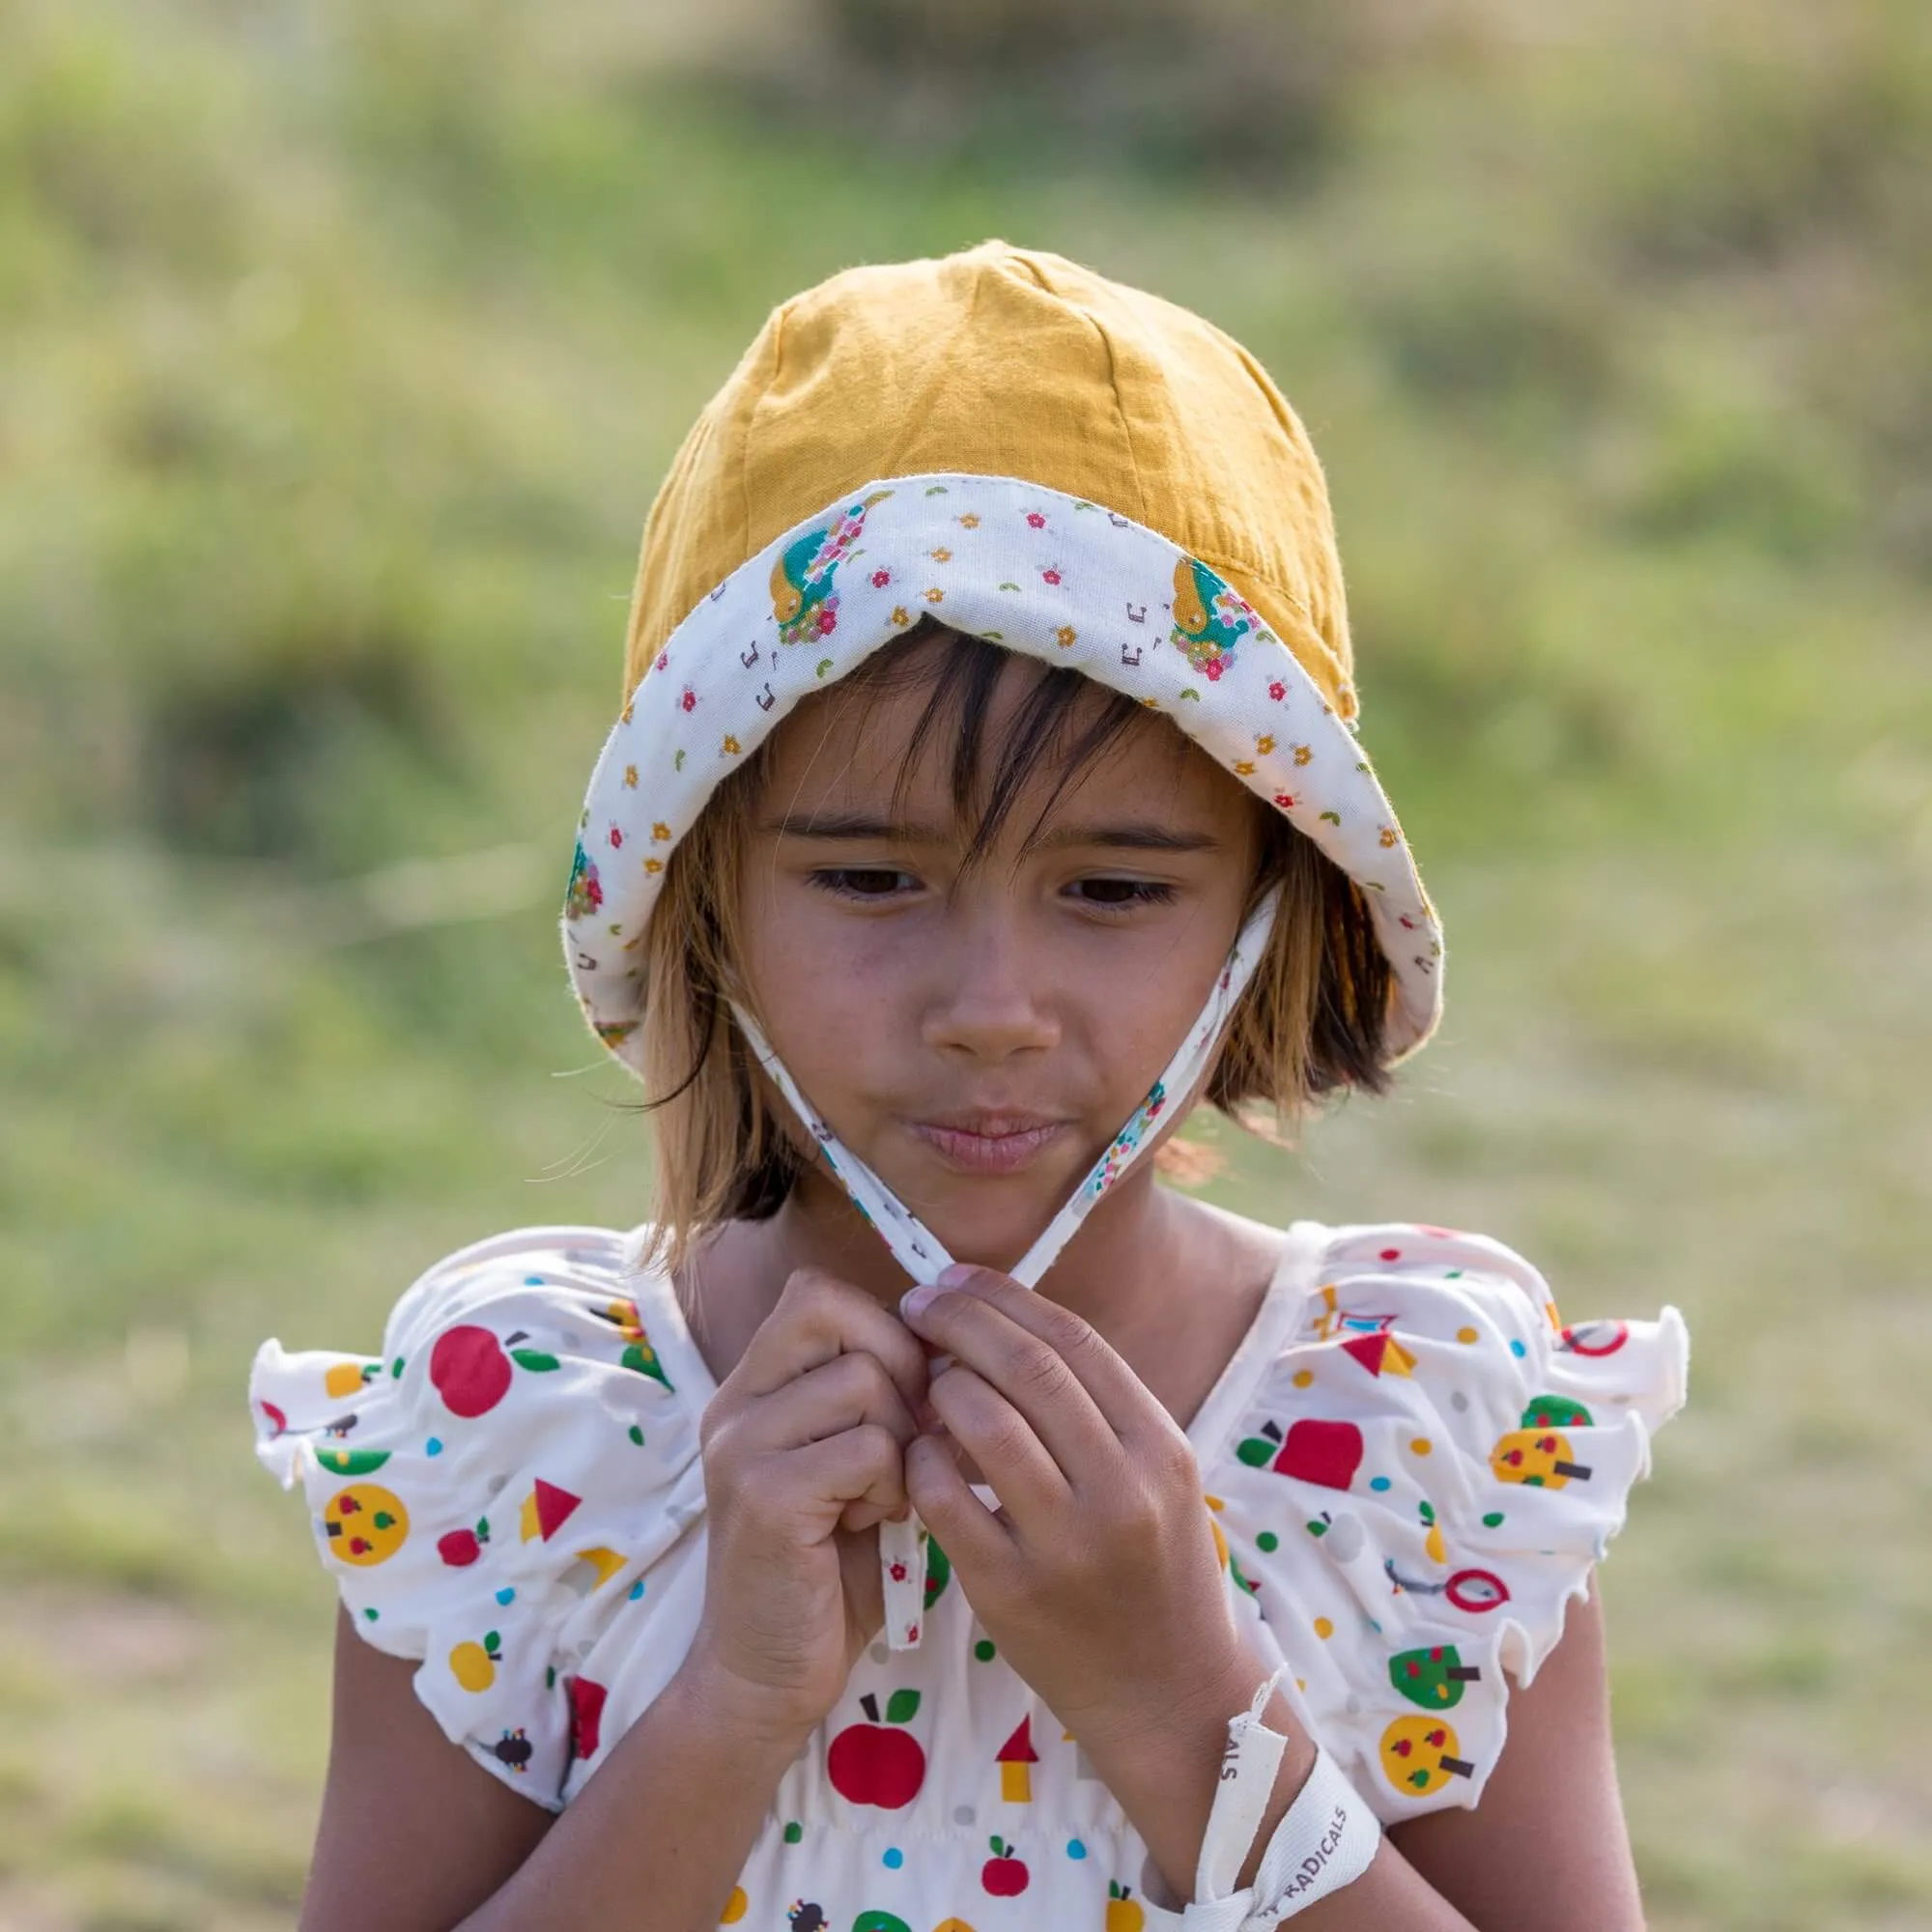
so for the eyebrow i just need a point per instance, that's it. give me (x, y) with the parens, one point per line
(1134, 835)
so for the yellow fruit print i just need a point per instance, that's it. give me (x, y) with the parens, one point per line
(344, 1378)
(365, 1525)
(1418, 1757)
(952, 1925)
(1124, 1913)
(1540, 1458)
(474, 1665)
(735, 1907)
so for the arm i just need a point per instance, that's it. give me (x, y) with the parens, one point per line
(1545, 1850)
(416, 1836)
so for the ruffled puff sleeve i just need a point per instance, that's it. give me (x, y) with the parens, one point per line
(1426, 1477)
(502, 1494)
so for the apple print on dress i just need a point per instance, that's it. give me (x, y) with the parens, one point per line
(1536, 1455)
(513, 1748)
(1003, 1874)
(879, 1920)
(469, 1369)
(474, 1664)
(365, 1525)
(1418, 1757)
(805, 1917)
(878, 1764)
(1433, 1678)
(460, 1548)
(1123, 1910)
(1326, 1453)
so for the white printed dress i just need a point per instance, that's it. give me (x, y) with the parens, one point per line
(1411, 1466)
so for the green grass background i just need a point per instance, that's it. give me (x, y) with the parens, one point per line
(344, 346)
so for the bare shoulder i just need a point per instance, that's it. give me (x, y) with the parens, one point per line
(413, 1832)
(1548, 1846)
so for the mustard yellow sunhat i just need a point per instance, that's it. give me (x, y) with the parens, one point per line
(1076, 470)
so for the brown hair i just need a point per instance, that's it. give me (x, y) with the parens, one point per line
(1309, 1023)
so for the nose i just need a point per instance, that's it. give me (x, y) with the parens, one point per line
(992, 1002)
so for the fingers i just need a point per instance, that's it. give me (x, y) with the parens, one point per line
(1053, 1372)
(1010, 1450)
(818, 1317)
(865, 1468)
(836, 1396)
(860, 1473)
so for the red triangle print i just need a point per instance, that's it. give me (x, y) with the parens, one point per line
(555, 1508)
(1367, 1349)
(1018, 1748)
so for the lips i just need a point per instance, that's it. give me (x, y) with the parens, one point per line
(992, 1123)
(985, 1141)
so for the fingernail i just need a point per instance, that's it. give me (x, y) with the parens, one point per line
(915, 1301)
(955, 1274)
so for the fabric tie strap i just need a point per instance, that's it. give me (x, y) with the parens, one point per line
(1324, 1840)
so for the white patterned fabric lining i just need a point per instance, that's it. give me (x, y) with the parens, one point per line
(1069, 581)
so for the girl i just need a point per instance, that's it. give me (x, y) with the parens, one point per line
(987, 795)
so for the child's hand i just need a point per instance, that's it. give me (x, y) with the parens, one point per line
(1097, 1578)
(803, 1457)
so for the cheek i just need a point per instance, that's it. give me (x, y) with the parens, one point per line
(830, 989)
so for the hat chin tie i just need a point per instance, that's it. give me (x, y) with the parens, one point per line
(922, 1254)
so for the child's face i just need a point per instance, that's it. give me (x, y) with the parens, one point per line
(978, 1034)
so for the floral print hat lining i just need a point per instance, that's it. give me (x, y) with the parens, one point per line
(1072, 469)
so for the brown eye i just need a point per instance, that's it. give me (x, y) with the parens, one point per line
(1122, 895)
(877, 882)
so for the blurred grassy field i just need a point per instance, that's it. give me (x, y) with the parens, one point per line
(344, 348)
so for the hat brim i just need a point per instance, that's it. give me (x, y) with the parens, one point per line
(1071, 583)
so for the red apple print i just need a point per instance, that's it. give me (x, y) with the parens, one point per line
(459, 1549)
(874, 1764)
(1002, 1875)
(468, 1370)
(586, 1715)
(1329, 1453)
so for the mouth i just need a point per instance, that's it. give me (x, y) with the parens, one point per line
(983, 1141)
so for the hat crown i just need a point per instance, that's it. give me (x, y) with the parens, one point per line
(1004, 361)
